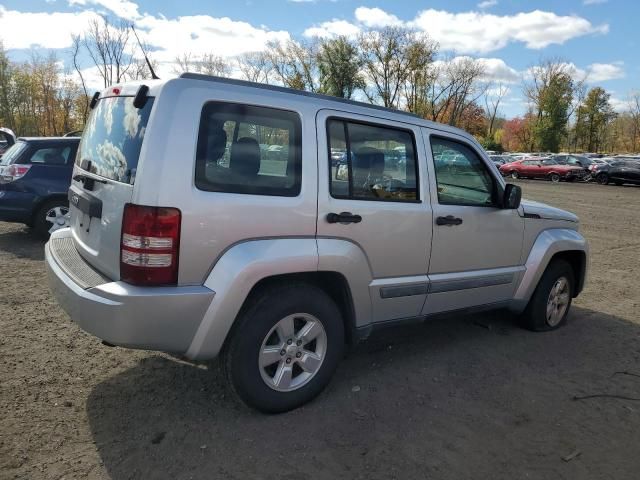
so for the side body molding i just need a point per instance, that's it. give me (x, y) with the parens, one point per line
(547, 244)
(245, 264)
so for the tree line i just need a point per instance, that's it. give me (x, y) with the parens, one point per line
(395, 67)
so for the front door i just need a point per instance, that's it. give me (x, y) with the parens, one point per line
(376, 197)
(476, 248)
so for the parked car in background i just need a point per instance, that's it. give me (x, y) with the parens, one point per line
(618, 172)
(277, 270)
(35, 175)
(542, 168)
(499, 160)
(7, 139)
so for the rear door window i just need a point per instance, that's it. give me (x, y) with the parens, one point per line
(248, 149)
(52, 155)
(378, 162)
(112, 139)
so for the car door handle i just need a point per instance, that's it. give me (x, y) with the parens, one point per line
(448, 220)
(344, 217)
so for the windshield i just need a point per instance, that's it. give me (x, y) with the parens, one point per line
(112, 139)
(13, 153)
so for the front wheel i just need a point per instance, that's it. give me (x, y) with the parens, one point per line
(285, 347)
(515, 175)
(550, 303)
(554, 177)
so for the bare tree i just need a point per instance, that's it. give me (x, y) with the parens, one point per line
(76, 45)
(109, 49)
(451, 87)
(294, 64)
(492, 99)
(254, 66)
(207, 64)
(389, 56)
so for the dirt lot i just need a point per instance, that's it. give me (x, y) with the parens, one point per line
(472, 397)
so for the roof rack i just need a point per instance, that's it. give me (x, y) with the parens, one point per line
(275, 88)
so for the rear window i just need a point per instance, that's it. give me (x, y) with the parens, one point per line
(112, 139)
(12, 154)
(247, 149)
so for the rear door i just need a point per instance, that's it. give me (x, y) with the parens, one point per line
(103, 179)
(379, 201)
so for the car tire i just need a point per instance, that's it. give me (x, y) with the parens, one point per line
(51, 216)
(602, 179)
(554, 177)
(551, 300)
(270, 328)
(515, 175)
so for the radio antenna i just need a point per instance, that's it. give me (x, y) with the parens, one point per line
(153, 74)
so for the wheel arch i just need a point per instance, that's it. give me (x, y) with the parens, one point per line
(555, 243)
(249, 266)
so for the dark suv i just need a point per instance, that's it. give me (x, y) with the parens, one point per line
(35, 174)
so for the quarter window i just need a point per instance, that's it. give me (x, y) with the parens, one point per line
(370, 162)
(462, 177)
(246, 149)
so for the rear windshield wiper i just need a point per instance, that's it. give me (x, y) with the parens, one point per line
(81, 177)
(87, 182)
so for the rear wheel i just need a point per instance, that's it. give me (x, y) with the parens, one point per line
(602, 179)
(550, 303)
(554, 177)
(515, 175)
(285, 348)
(51, 216)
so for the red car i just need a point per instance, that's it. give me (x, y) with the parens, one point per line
(542, 168)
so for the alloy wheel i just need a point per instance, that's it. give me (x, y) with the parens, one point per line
(58, 217)
(558, 301)
(292, 352)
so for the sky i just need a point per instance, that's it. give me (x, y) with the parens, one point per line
(599, 38)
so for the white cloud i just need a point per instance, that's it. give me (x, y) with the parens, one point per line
(487, 4)
(376, 17)
(601, 72)
(29, 29)
(122, 8)
(333, 28)
(594, 2)
(497, 70)
(474, 32)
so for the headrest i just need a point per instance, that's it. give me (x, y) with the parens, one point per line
(245, 157)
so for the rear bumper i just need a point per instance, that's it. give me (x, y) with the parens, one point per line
(153, 318)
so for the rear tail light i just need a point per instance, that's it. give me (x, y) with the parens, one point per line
(14, 172)
(150, 244)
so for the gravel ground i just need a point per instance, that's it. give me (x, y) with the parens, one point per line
(458, 398)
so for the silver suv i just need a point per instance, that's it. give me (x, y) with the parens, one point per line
(271, 227)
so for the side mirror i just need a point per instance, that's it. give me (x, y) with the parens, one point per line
(512, 196)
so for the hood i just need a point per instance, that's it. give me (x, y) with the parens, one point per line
(547, 212)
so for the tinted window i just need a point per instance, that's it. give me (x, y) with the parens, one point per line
(253, 150)
(113, 137)
(379, 162)
(462, 178)
(52, 155)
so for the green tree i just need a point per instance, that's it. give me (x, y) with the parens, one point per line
(551, 93)
(339, 66)
(594, 115)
